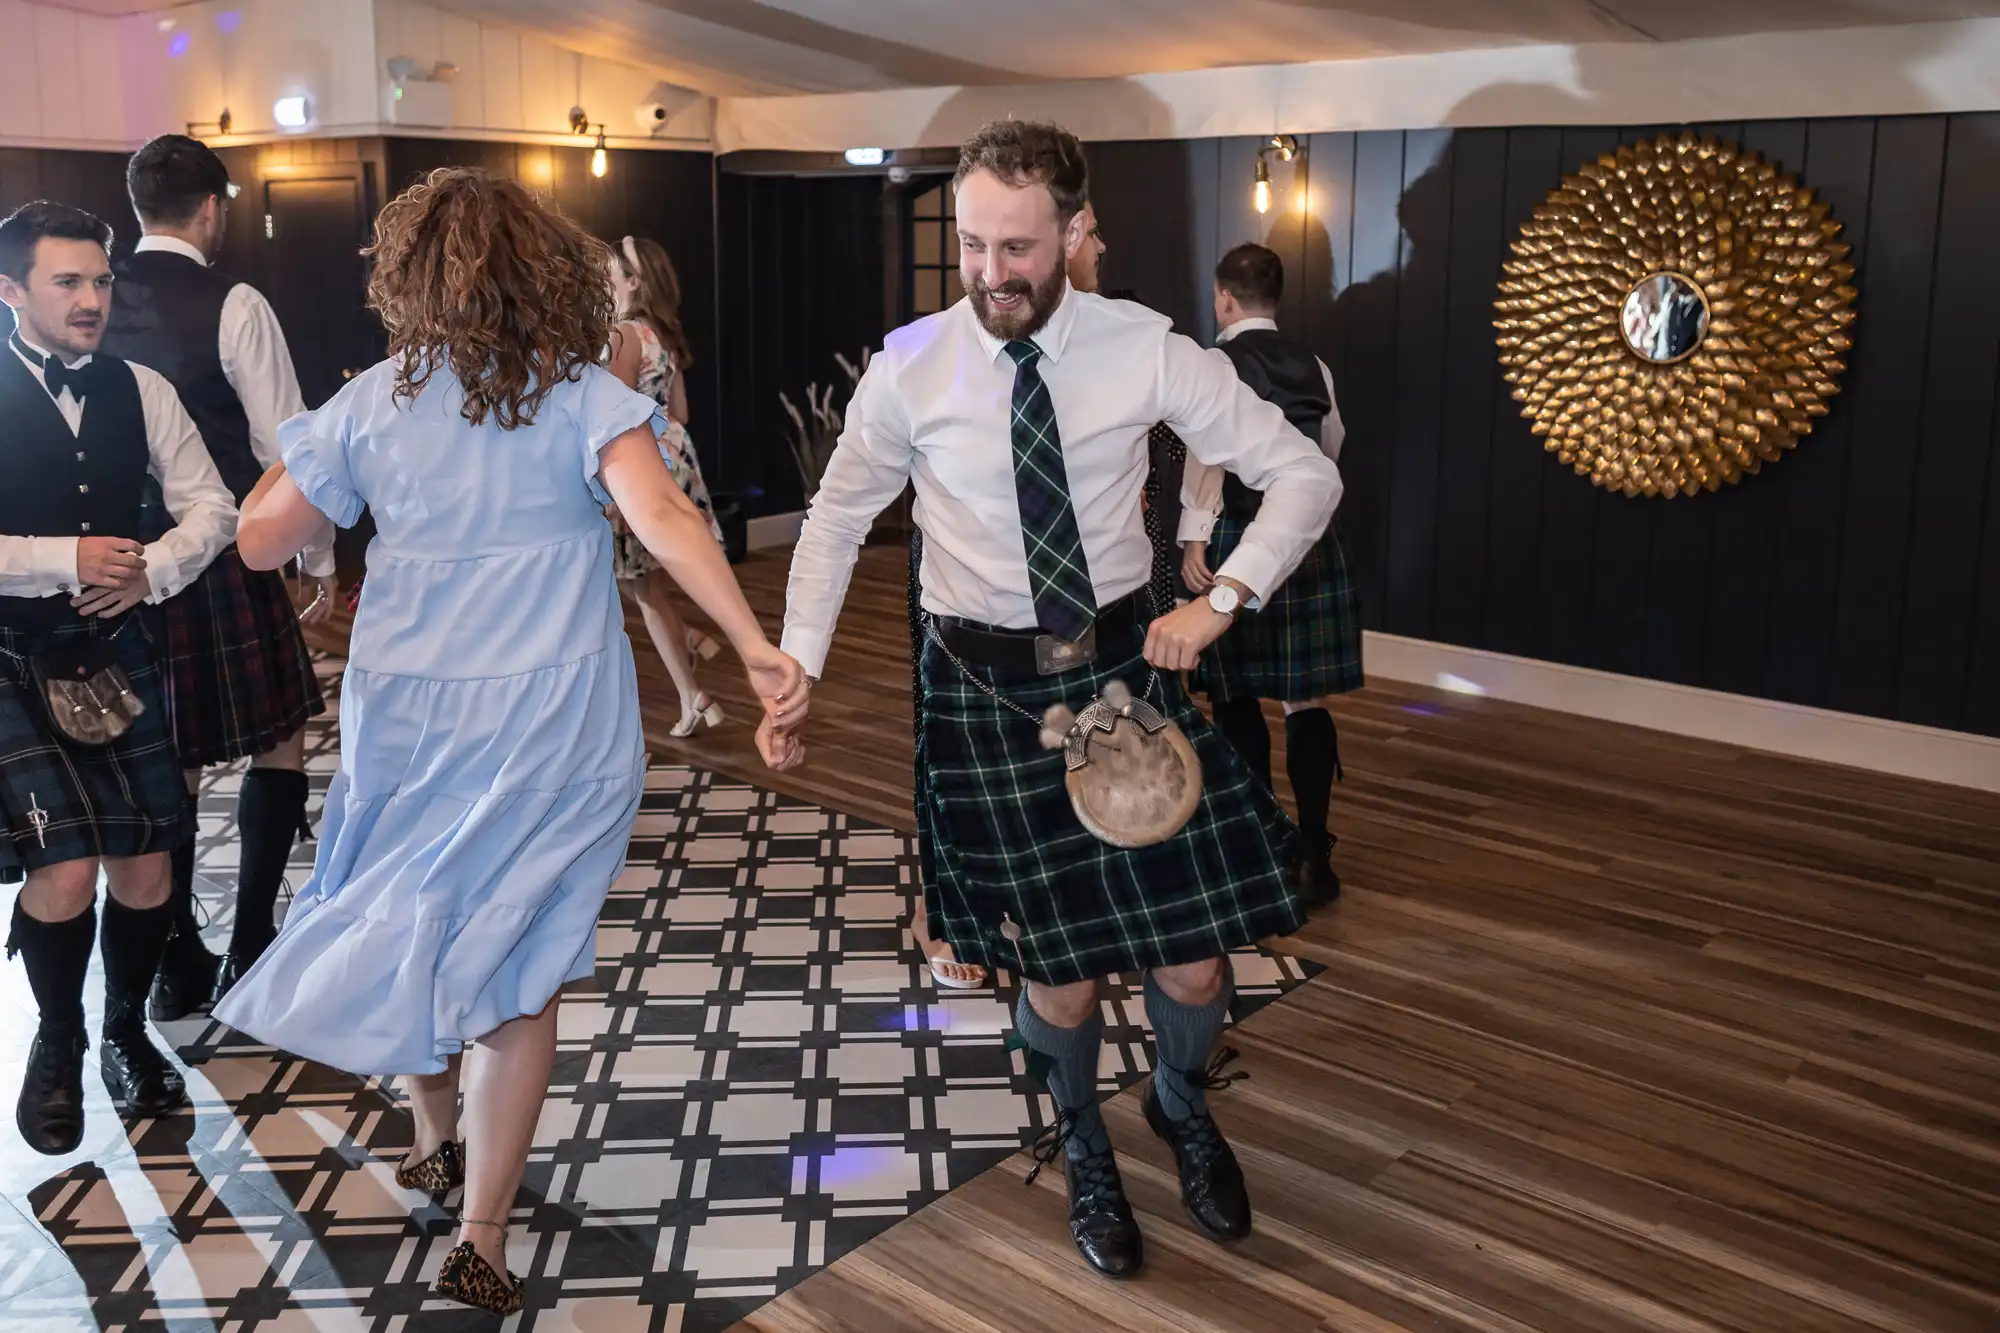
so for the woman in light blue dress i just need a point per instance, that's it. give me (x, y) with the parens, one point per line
(491, 761)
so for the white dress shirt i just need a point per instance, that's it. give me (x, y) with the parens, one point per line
(1201, 485)
(258, 365)
(204, 512)
(935, 408)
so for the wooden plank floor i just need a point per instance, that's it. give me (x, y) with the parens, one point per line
(1619, 1032)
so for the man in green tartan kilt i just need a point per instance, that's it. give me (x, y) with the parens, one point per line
(1304, 643)
(1021, 416)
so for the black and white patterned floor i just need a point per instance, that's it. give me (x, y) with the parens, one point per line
(760, 1079)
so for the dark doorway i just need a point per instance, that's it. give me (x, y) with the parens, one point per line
(314, 229)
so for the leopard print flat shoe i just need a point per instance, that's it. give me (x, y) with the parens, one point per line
(440, 1173)
(470, 1280)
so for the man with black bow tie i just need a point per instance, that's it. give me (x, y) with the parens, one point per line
(82, 433)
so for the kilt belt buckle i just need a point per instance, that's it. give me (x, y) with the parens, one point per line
(1054, 655)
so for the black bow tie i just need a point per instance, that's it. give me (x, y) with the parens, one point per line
(57, 376)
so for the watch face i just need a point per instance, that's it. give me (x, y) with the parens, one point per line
(1223, 599)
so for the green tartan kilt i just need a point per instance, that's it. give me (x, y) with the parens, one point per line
(999, 840)
(1305, 642)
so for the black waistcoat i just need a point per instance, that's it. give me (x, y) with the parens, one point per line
(1281, 371)
(55, 484)
(167, 315)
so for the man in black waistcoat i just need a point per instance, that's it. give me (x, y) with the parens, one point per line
(1304, 643)
(82, 434)
(239, 681)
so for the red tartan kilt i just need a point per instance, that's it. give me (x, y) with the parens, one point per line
(239, 679)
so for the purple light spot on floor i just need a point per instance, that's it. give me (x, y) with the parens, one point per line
(179, 45)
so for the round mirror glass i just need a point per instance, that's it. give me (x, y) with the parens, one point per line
(1665, 318)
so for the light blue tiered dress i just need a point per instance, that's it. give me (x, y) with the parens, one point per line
(491, 761)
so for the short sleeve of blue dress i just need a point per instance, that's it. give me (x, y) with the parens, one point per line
(314, 447)
(604, 409)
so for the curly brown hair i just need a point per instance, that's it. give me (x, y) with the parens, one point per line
(1030, 152)
(474, 273)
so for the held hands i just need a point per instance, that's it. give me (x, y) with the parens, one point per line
(110, 562)
(1194, 567)
(780, 683)
(320, 608)
(113, 573)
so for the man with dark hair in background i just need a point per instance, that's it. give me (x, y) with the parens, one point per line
(1304, 643)
(1021, 415)
(239, 681)
(82, 434)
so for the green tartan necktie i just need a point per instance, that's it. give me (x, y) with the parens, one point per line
(1058, 574)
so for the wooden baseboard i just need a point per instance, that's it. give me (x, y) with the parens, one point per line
(1930, 753)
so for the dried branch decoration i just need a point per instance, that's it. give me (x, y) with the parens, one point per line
(1741, 377)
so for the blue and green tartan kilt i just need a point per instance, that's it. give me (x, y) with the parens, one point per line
(1303, 644)
(123, 799)
(999, 839)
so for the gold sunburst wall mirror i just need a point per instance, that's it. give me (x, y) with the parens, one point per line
(1675, 315)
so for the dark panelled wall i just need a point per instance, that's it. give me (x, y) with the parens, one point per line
(1861, 572)
(667, 195)
(91, 181)
(801, 279)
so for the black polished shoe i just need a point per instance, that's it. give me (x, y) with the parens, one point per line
(185, 983)
(234, 965)
(1212, 1188)
(142, 1082)
(50, 1111)
(1314, 880)
(1100, 1217)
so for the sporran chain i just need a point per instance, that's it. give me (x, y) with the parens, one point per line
(930, 631)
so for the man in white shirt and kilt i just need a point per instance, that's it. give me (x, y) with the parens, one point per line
(85, 784)
(1021, 417)
(240, 684)
(1304, 643)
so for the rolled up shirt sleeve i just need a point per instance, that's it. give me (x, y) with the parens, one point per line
(1225, 424)
(204, 514)
(869, 468)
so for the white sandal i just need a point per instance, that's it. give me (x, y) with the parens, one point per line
(706, 713)
(702, 646)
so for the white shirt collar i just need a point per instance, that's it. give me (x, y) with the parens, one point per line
(43, 352)
(1245, 325)
(1052, 337)
(173, 245)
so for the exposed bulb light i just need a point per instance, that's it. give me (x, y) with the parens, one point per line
(292, 113)
(1286, 147)
(600, 161)
(865, 157)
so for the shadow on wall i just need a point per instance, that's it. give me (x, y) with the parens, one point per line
(1625, 584)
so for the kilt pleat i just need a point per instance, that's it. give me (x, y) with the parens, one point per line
(1001, 841)
(118, 800)
(1303, 644)
(238, 676)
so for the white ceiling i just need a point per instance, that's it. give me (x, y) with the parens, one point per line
(752, 47)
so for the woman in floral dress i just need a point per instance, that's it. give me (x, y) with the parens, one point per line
(649, 351)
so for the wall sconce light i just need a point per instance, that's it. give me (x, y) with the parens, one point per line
(220, 125)
(292, 113)
(579, 123)
(1287, 148)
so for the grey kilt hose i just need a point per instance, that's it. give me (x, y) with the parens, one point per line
(999, 840)
(1303, 644)
(61, 801)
